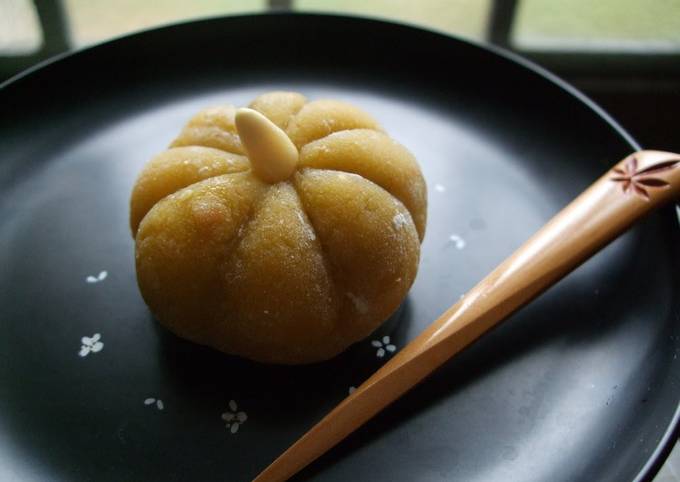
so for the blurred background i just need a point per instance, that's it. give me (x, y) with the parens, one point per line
(625, 54)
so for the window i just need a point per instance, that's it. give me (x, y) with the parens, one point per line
(96, 20)
(20, 32)
(597, 26)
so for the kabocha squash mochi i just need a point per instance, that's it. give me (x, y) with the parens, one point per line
(283, 232)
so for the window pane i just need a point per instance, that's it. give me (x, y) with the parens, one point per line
(20, 32)
(604, 25)
(96, 20)
(467, 18)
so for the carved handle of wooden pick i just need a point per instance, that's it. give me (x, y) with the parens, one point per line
(632, 188)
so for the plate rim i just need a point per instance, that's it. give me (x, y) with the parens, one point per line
(311, 15)
(667, 442)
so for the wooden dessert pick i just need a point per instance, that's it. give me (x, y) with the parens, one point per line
(638, 184)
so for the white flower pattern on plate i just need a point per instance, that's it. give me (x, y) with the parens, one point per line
(233, 418)
(157, 401)
(457, 241)
(90, 345)
(383, 346)
(96, 279)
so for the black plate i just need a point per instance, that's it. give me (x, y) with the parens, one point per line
(581, 385)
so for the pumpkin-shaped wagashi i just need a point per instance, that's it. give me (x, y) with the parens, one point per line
(283, 232)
